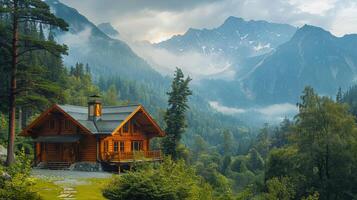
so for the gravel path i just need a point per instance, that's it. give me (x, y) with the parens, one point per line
(66, 174)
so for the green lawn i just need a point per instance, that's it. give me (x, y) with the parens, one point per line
(47, 189)
(92, 190)
(87, 189)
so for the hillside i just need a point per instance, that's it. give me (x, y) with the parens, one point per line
(106, 56)
(108, 29)
(312, 57)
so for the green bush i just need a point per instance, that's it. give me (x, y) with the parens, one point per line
(15, 181)
(169, 181)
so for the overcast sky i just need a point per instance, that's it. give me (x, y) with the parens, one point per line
(156, 20)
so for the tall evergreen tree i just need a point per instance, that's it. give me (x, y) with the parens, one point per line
(111, 96)
(326, 136)
(175, 113)
(339, 95)
(22, 13)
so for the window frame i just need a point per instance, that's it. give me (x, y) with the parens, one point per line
(126, 127)
(121, 146)
(137, 143)
(135, 128)
(67, 124)
(51, 124)
(116, 146)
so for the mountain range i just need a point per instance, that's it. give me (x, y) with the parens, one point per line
(272, 62)
(296, 57)
(312, 57)
(234, 39)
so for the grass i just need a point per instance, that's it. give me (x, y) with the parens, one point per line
(89, 189)
(92, 190)
(47, 189)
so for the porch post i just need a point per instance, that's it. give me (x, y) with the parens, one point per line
(97, 148)
(35, 153)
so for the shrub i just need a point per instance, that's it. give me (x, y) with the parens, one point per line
(15, 181)
(169, 181)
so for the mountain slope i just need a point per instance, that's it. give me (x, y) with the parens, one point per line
(312, 57)
(106, 56)
(235, 38)
(108, 29)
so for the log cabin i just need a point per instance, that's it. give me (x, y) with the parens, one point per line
(111, 134)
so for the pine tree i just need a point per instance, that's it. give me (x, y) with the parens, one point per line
(111, 97)
(22, 13)
(339, 95)
(175, 113)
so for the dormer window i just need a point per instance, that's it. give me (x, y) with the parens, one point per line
(67, 124)
(126, 127)
(51, 124)
(135, 128)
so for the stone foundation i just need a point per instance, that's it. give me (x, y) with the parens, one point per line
(86, 166)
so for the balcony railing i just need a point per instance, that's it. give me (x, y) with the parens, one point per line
(132, 156)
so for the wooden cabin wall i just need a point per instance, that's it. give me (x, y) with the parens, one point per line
(60, 127)
(50, 152)
(88, 149)
(127, 138)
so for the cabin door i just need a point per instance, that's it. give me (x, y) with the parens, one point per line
(59, 152)
(68, 152)
(53, 152)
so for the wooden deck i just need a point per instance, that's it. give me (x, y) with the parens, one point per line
(136, 156)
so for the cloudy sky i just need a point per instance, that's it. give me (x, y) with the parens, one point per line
(156, 20)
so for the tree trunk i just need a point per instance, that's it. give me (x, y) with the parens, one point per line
(327, 172)
(19, 121)
(12, 97)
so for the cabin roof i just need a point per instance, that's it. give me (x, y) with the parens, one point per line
(112, 117)
(111, 120)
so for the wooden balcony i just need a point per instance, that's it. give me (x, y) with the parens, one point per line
(132, 156)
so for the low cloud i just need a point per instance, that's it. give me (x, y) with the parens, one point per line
(278, 109)
(224, 109)
(77, 39)
(193, 63)
(272, 113)
(76, 42)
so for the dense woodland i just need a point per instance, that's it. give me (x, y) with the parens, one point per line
(312, 156)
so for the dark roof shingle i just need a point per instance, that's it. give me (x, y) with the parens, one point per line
(112, 117)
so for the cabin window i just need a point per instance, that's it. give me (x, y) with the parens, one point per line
(121, 145)
(67, 124)
(115, 146)
(126, 127)
(51, 124)
(106, 146)
(135, 128)
(118, 146)
(136, 145)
